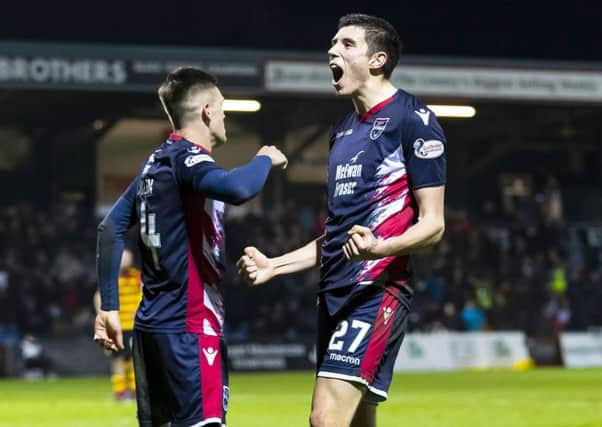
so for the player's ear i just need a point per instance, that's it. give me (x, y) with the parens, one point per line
(206, 114)
(377, 60)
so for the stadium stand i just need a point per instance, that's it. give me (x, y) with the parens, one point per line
(523, 270)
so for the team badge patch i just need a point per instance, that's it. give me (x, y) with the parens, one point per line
(378, 127)
(430, 149)
(197, 158)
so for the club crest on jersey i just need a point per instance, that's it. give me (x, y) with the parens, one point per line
(378, 127)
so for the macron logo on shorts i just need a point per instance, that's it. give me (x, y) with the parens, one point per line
(210, 353)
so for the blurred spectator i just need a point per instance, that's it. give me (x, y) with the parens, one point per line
(473, 317)
(552, 203)
(524, 270)
(36, 364)
(47, 264)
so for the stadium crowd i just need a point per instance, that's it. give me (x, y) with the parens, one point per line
(47, 274)
(513, 267)
(525, 269)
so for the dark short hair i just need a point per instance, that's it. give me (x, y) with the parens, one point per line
(381, 36)
(178, 87)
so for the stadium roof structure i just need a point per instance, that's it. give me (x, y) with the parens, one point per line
(41, 82)
(64, 95)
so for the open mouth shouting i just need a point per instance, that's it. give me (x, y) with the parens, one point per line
(337, 74)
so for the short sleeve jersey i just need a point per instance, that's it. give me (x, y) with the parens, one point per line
(376, 162)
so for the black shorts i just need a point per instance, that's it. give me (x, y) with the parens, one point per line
(360, 342)
(180, 378)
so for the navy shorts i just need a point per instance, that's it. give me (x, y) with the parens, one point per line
(180, 378)
(360, 342)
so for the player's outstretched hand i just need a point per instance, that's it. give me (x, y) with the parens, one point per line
(362, 245)
(254, 267)
(278, 158)
(107, 330)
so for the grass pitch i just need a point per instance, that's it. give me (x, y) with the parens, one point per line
(540, 397)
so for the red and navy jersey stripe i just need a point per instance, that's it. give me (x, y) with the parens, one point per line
(375, 163)
(178, 201)
(182, 242)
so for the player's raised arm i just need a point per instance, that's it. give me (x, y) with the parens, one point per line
(256, 268)
(110, 244)
(235, 186)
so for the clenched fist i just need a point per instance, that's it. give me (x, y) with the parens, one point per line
(254, 267)
(363, 245)
(276, 156)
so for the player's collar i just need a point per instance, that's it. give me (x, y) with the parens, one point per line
(175, 137)
(372, 111)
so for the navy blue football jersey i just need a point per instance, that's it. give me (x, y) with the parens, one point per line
(182, 242)
(375, 163)
(178, 202)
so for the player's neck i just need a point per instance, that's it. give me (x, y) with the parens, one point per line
(196, 136)
(371, 94)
